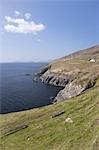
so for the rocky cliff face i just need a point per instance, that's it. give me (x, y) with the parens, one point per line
(74, 89)
(75, 74)
(56, 79)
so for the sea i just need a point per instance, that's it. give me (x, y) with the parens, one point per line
(21, 90)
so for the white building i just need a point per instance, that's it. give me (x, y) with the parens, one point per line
(92, 60)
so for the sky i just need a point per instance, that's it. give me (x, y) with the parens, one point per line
(43, 30)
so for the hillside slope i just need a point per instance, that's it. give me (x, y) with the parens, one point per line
(37, 130)
(76, 73)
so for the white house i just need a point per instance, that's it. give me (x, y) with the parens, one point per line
(92, 60)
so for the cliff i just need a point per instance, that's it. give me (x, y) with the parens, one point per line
(76, 73)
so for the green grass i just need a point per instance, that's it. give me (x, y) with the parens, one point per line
(78, 62)
(43, 132)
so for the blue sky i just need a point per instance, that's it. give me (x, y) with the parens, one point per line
(41, 30)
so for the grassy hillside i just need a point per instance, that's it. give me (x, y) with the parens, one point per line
(78, 62)
(37, 130)
(76, 73)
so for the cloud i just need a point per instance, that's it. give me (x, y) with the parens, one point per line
(17, 13)
(27, 16)
(21, 25)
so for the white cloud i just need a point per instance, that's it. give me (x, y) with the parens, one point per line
(27, 16)
(17, 13)
(7, 18)
(20, 25)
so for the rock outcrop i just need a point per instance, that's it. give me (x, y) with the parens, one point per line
(56, 79)
(72, 89)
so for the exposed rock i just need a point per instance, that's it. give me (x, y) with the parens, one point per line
(27, 74)
(68, 92)
(73, 85)
(42, 71)
(56, 79)
(68, 120)
(73, 89)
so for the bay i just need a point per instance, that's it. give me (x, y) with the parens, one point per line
(18, 90)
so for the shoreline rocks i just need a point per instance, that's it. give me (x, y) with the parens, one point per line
(72, 84)
(68, 92)
(55, 79)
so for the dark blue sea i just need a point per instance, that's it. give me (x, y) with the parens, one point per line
(18, 90)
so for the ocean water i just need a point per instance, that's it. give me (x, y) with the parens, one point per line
(18, 90)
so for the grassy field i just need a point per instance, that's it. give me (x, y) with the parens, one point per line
(37, 130)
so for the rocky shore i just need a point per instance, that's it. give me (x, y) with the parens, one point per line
(72, 85)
